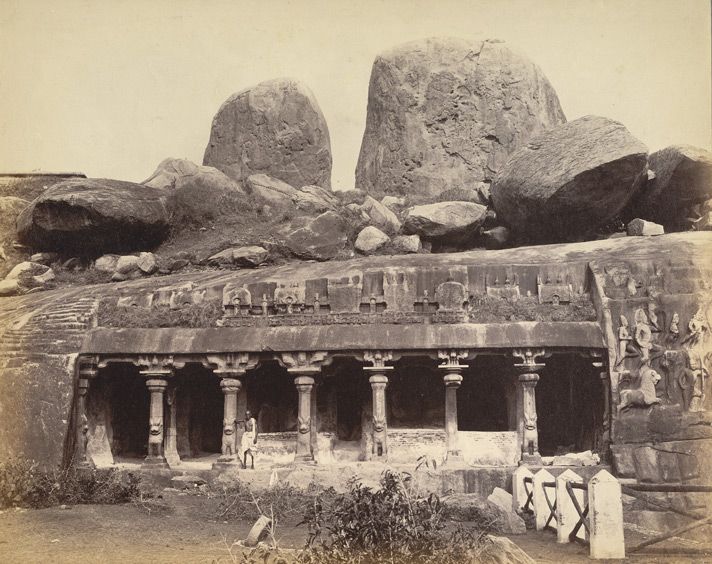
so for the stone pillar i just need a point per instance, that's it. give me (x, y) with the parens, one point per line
(304, 366)
(156, 457)
(230, 388)
(171, 451)
(379, 381)
(528, 377)
(606, 419)
(452, 379)
(304, 452)
(88, 369)
(605, 517)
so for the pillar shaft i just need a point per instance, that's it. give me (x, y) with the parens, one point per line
(82, 440)
(452, 380)
(171, 443)
(305, 429)
(156, 387)
(530, 431)
(230, 388)
(379, 382)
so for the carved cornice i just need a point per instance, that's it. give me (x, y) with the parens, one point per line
(232, 364)
(304, 362)
(157, 366)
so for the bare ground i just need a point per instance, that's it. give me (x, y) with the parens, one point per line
(187, 530)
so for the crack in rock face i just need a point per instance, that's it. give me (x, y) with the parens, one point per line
(445, 114)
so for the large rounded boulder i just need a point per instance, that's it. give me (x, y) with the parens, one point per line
(95, 216)
(681, 180)
(570, 180)
(453, 222)
(444, 114)
(275, 128)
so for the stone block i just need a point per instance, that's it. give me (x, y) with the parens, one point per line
(541, 507)
(640, 227)
(605, 517)
(519, 491)
(646, 464)
(259, 531)
(566, 514)
(501, 498)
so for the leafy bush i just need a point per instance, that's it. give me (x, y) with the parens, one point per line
(24, 484)
(390, 524)
(204, 314)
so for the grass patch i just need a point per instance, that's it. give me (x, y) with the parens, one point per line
(205, 314)
(488, 309)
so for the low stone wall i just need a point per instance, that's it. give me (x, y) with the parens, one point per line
(407, 445)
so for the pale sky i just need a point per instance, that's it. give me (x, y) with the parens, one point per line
(111, 88)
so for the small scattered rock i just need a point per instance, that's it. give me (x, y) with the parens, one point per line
(177, 264)
(241, 256)
(126, 264)
(451, 220)
(188, 479)
(500, 550)
(42, 279)
(106, 263)
(118, 277)
(501, 498)
(259, 531)
(147, 263)
(640, 227)
(271, 189)
(321, 239)
(407, 244)
(9, 287)
(72, 263)
(26, 269)
(380, 216)
(370, 239)
(44, 258)
(393, 202)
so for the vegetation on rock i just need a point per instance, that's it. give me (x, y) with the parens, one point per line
(204, 314)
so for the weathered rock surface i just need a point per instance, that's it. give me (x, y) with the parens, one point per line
(407, 244)
(639, 227)
(195, 192)
(380, 216)
(370, 239)
(147, 263)
(241, 256)
(89, 215)
(271, 189)
(500, 550)
(451, 220)
(470, 507)
(126, 264)
(446, 113)
(321, 239)
(26, 269)
(315, 199)
(393, 202)
(497, 237)
(106, 263)
(275, 128)
(682, 179)
(570, 179)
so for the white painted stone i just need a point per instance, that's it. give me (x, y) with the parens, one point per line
(519, 493)
(541, 509)
(606, 516)
(566, 514)
(490, 448)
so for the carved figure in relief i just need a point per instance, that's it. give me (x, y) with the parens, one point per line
(675, 327)
(228, 437)
(155, 427)
(248, 443)
(645, 395)
(643, 335)
(624, 339)
(693, 382)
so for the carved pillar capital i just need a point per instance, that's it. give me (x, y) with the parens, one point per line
(529, 360)
(156, 366)
(304, 362)
(156, 384)
(304, 383)
(451, 358)
(87, 366)
(232, 364)
(230, 385)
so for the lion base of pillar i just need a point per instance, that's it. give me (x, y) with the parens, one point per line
(156, 462)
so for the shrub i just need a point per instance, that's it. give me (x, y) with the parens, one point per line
(488, 309)
(390, 524)
(204, 314)
(24, 484)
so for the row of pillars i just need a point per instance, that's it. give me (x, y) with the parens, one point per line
(157, 378)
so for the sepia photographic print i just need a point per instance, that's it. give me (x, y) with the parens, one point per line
(309, 281)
